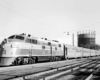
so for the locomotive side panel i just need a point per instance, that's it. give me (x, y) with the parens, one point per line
(93, 53)
(71, 53)
(86, 52)
(78, 52)
(57, 51)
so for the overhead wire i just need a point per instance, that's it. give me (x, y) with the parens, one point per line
(16, 22)
(83, 27)
(24, 16)
(42, 23)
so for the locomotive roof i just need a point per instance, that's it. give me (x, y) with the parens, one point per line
(45, 40)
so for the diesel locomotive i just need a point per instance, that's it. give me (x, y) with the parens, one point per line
(23, 49)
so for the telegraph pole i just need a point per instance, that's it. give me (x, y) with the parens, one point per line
(72, 37)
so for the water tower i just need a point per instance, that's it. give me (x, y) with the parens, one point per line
(86, 38)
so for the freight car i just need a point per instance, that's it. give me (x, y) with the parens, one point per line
(23, 49)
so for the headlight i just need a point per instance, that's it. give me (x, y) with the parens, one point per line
(14, 46)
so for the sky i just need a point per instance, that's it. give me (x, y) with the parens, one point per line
(49, 18)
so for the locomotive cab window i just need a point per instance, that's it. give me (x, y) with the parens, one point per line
(34, 41)
(11, 37)
(28, 40)
(19, 37)
(59, 45)
(49, 43)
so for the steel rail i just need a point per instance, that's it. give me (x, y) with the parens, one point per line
(71, 67)
(91, 75)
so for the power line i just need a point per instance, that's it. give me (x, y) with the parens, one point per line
(84, 27)
(42, 23)
(16, 22)
(24, 15)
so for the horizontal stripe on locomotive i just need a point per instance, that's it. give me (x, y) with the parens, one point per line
(42, 52)
(57, 53)
(34, 52)
(34, 46)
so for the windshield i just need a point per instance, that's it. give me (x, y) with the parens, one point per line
(19, 37)
(15, 38)
(11, 37)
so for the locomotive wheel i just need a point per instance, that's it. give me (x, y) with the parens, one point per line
(31, 60)
(15, 63)
(53, 59)
(18, 61)
(25, 61)
(58, 59)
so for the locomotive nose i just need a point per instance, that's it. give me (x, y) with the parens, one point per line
(6, 61)
(1, 50)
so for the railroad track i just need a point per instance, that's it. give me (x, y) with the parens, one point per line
(54, 72)
(43, 70)
(95, 75)
(83, 73)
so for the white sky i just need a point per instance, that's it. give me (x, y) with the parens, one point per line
(49, 18)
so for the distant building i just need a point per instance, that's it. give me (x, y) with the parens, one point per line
(86, 39)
